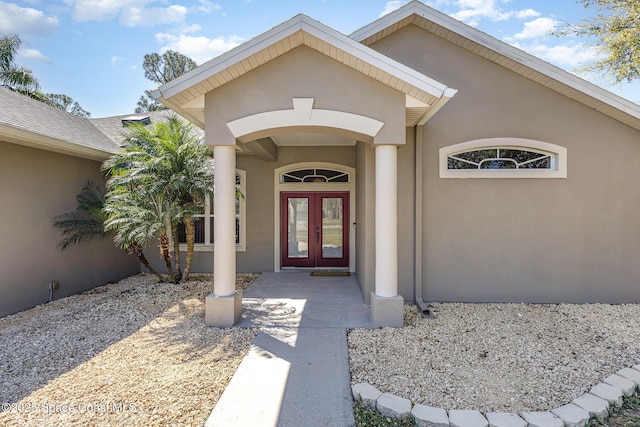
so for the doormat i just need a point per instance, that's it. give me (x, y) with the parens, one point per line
(330, 273)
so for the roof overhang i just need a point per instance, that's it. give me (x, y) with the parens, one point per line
(503, 54)
(43, 142)
(185, 95)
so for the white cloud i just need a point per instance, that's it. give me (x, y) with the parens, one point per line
(568, 55)
(472, 11)
(527, 13)
(148, 17)
(537, 28)
(391, 6)
(116, 59)
(25, 20)
(190, 28)
(33, 54)
(200, 49)
(129, 12)
(207, 6)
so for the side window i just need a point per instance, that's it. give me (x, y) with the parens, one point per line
(503, 158)
(203, 222)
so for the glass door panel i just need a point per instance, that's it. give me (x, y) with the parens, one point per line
(298, 227)
(332, 230)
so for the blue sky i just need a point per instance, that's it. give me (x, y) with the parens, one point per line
(92, 50)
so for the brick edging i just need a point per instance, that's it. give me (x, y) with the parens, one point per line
(596, 403)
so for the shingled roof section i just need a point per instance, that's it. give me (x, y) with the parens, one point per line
(26, 121)
(32, 123)
(113, 128)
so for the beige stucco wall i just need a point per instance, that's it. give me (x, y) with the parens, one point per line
(303, 73)
(35, 186)
(537, 240)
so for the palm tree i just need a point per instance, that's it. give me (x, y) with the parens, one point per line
(87, 223)
(188, 172)
(158, 178)
(136, 217)
(13, 76)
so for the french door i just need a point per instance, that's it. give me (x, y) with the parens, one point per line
(314, 229)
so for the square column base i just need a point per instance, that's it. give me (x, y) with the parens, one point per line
(387, 312)
(223, 312)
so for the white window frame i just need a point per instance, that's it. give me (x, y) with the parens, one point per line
(208, 246)
(558, 159)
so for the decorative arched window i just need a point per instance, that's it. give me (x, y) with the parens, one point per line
(503, 158)
(314, 175)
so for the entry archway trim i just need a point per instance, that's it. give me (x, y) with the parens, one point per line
(304, 116)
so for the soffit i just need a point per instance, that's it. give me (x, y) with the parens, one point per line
(186, 93)
(504, 55)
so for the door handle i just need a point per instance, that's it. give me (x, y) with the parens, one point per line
(318, 234)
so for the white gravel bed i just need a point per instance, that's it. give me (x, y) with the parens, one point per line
(132, 353)
(498, 357)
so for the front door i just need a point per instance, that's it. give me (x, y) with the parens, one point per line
(314, 229)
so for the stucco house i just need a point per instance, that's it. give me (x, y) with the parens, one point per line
(431, 160)
(46, 156)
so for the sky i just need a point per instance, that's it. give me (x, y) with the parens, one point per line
(92, 50)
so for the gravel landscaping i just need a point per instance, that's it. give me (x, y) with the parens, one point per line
(132, 353)
(498, 357)
(138, 352)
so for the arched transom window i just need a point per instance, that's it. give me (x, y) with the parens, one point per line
(314, 175)
(503, 158)
(500, 158)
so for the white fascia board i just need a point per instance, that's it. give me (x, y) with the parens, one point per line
(47, 143)
(284, 30)
(228, 59)
(375, 58)
(511, 52)
(386, 21)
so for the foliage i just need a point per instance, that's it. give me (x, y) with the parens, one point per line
(626, 416)
(616, 27)
(86, 223)
(22, 80)
(365, 417)
(146, 103)
(13, 76)
(161, 70)
(158, 179)
(66, 103)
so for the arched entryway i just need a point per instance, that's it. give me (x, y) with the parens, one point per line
(315, 205)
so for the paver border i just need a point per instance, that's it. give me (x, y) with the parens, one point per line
(591, 404)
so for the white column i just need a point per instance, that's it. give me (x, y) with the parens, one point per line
(386, 220)
(224, 222)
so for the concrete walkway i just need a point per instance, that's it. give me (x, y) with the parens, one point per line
(297, 370)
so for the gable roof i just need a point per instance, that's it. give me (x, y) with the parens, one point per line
(185, 94)
(32, 123)
(503, 54)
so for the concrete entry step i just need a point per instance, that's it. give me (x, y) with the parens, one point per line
(296, 299)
